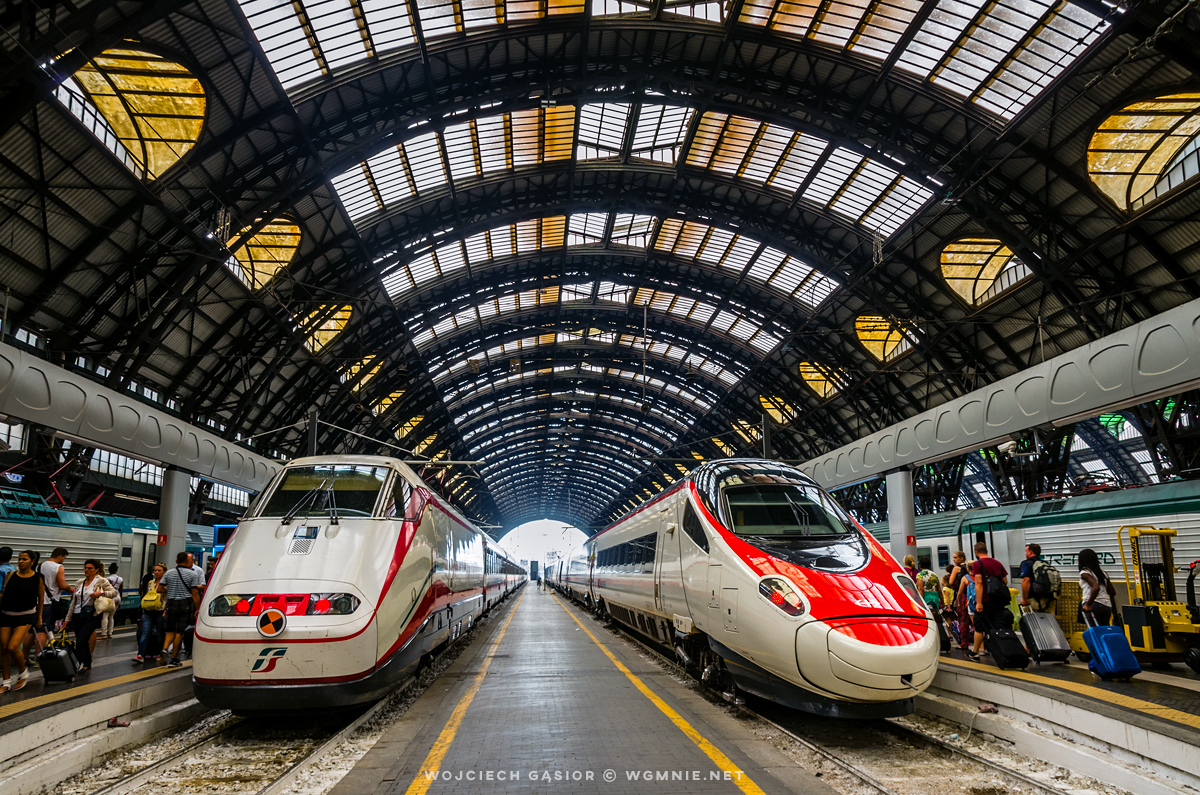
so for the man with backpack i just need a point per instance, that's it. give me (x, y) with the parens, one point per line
(1040, 582)
(991, 598)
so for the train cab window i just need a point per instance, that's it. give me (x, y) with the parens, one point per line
(943, 557)
(781, 511)
(335, 490)
(404, 501)
(693, 528)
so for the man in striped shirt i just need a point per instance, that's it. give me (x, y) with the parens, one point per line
(181, 587)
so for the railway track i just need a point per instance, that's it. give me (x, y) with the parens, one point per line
(255, 756)
(814, 737)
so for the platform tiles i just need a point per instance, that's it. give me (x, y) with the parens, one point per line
(548, 701)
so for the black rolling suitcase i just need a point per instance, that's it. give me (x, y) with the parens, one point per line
(943, 636)
(1006, 648)
(1044, 637)
(58, 661)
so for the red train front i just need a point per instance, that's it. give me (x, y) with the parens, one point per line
(761, 581)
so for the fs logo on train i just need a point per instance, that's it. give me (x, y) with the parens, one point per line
(271, 623)
(267, 659)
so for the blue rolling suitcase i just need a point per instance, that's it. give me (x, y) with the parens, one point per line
(1112, 658)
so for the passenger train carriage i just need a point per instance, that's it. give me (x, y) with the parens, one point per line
(760, 581)
(346, 572)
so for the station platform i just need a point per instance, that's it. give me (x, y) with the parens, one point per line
(1151, 723)
(49, 731)
(544, 701)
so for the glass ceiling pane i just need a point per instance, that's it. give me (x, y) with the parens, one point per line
(738, 254)
(825, 381)
(1132, 150)
(270, 250)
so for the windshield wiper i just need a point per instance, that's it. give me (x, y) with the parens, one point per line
(332, 502)
(801, 521)
(307, 497)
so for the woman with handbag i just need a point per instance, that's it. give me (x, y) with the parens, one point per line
(20, 611)
(84, 615)
(150, 636)
(108, 616)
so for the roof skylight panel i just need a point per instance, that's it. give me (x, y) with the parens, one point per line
(899, 204)
(388, 23)
(660, 131)
(883, 27)
(586, 228)
(602, 130)
(630, 229)
(1040, 58)
(861, 192)
(830, 179)
(785, 16)
(988, 43)
(542, 135)
(937, 35)
(281, 31)
(577, 292)
(354, 188)
(439, 17)
(838, 20)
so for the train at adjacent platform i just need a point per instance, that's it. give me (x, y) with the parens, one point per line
(345, 574)
(761, 582)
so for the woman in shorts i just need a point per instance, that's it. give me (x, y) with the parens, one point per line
(20, 609)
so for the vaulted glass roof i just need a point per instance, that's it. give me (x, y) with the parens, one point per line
(741, 327)
(997, 55)
(825, 381)
(865, 190)
(331, 324)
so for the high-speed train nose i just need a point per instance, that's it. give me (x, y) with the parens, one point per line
(868, 659)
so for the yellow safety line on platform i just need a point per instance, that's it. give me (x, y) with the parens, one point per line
(433, 761)
(16, 707)
(719, 759)
(1136, 704)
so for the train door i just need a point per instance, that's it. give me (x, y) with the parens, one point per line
(144, 552)
(669, 573)
(695, 562)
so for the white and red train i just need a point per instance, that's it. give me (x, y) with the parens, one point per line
(345, 573)
(760, 581)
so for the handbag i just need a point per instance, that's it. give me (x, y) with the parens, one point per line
(87, 612)
(152, 600)
(105, 605)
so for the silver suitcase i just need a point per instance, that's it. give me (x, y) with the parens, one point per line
(1044, 637)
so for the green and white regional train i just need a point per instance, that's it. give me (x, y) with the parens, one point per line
(1063, 526)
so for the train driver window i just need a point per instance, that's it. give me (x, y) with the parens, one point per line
(404, 502)
(342, 490)
(693, 528)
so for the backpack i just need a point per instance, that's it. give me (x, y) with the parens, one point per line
(1046, 583)
(994, 589)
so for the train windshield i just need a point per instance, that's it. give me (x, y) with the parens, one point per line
(326, 490)
(782, 512)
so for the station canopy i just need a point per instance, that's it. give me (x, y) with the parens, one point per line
(587, 244)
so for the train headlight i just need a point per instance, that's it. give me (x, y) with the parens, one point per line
(332, 604)
(231, 604)
(782, 595)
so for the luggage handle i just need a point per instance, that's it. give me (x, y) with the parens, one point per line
(1025, 609)
(1089, 619)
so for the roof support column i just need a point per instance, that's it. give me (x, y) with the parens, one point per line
(902, 514)
(173, 515)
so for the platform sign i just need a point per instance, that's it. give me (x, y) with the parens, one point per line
(162, 539)
(910, 541)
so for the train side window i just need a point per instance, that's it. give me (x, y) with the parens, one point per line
(943, 557)
(403, 502)
(924, 558)
(693, 528)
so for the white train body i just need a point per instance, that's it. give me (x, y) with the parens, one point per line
(821, 618)
(366, 583)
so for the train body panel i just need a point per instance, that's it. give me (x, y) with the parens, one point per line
(406, 570)
(853, 637)
(1065, 525)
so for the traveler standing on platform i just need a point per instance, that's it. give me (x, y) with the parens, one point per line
(189, 635)
(991, 596)
(181, 588)
(1039, 581)
(910, 566)
(108, 618)
(84, 618)
(1098, 591)
(931, 590)
(959, 578)
(20, 610)
(7, 567)
(56, 586)
(150, 631)
(201, 581)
